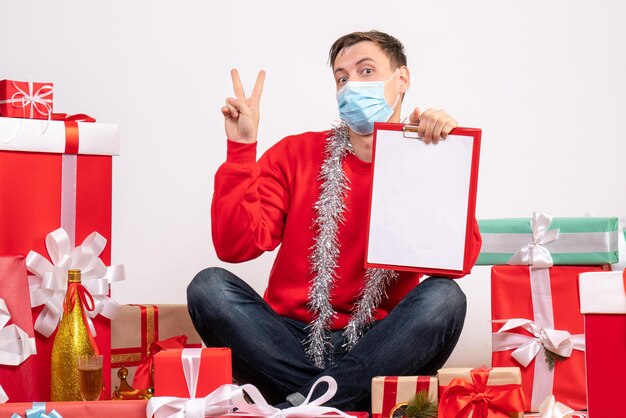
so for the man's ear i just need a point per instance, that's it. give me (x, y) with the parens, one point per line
(405, 78)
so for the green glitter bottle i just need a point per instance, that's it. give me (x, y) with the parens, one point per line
(72, 340)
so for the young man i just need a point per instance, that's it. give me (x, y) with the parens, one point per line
(323, 313)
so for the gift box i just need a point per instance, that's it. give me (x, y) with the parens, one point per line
(603, 303)
(18, 373)
(44, 190)
(211, 366)
(563, 241)
(95, 409)
(390, 393)
(537, 326)
(137, 327)
(499, 390)
(25, 99)
(60, 136)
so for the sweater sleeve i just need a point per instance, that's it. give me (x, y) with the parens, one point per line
(475, 245)
(249, 204)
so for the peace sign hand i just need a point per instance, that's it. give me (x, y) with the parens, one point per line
(241, 113)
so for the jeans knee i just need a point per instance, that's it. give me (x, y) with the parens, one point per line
(451, 300)
(455, 297)
(207, 282)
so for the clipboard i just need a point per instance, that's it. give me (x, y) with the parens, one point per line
(422, 200)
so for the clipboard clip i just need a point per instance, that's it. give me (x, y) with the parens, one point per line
(410, 131)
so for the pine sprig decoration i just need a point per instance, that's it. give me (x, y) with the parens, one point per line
(552, 358)
(420, 406)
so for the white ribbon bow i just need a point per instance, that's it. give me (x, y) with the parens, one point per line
(24, 99)
(526, 348)
(534, 254)
(550, 408)
(48, 284)
(15, 344)
(309, 408)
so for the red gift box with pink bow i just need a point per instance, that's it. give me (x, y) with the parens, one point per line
(25, 99)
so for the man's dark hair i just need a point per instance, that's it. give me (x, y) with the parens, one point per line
(392, 47)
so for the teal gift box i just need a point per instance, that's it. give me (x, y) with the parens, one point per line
(543, 241)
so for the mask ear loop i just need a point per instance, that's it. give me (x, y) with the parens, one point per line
(393, 108)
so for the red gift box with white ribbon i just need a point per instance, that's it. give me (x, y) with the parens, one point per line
(47, 181)
(26, 99)
(603, 303)
(535, 310)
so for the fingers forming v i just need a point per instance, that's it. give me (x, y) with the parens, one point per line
(258, 86)
(237, 86)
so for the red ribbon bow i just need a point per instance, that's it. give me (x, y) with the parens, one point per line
(143, 375)
(496, 401)
(77, 290)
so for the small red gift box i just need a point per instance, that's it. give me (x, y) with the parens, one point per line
(212, 365)
(25, 99)
(603, 303)
(480, 393)
(392, 392)
(542, 304)
(19, 381)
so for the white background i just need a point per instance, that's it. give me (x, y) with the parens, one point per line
(545, 80)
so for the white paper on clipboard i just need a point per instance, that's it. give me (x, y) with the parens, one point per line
(420, 198)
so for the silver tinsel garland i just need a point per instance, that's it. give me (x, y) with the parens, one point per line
(329, 208)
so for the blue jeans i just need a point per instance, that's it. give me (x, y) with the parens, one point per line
(416, 338)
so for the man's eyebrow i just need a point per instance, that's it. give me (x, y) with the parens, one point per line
(357, 63)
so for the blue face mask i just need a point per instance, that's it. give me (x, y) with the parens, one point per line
(361, 103)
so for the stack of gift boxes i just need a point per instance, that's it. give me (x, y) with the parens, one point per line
(55, 172)
(558, 347)
(55, 179)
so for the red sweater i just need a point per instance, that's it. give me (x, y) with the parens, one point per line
(259, 205)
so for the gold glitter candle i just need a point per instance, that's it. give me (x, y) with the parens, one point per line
(72, 340)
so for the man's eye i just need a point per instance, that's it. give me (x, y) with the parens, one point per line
(342, 79)
(367, 71)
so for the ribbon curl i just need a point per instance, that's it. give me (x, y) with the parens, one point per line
(15, 344)
(39, 411)
(48, 284)
(309, 408)
(550, 408)
(37, 100)
(526, 348)
(497, 401)
(535, 254)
